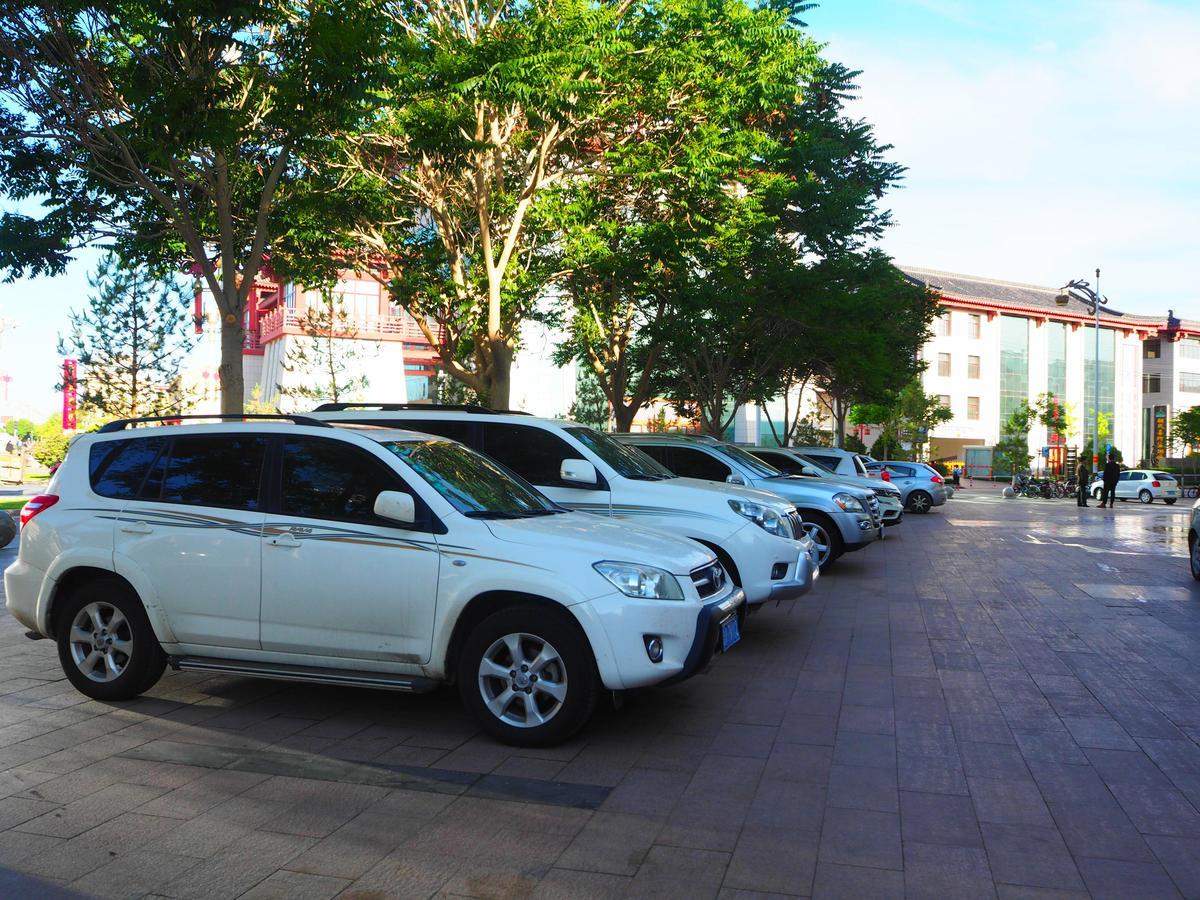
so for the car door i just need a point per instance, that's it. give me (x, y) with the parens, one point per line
(537, 455)
(194, 532)
(1127, 485)
(338, 581)
(904, 477)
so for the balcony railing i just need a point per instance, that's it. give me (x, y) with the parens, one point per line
(403, 327)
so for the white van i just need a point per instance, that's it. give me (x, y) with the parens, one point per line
(756, 535)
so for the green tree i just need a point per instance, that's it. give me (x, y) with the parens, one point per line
(590, 406)
(1011, 454)
(326, 359)
(50, 442)
(131, 341)
(1185, 427)
(200, 135)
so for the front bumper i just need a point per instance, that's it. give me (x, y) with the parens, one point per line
(799, 579)
(689, 636)
(756, 553)
(857, 529)
(891, 509)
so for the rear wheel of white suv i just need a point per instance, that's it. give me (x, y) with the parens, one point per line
(105, 643)
(528, 675)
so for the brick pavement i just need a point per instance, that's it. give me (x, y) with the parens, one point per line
(989, 703)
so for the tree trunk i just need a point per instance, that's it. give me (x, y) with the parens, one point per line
(500, 378)
(623, 416)
(840, 410)
(233, 379)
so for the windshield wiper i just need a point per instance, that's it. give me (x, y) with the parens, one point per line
(509, 514)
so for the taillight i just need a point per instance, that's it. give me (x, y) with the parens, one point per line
(937, 479)
(885, 474)
(1155, 484)
(36, 505)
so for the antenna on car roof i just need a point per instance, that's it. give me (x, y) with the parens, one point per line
(122, 424)
(433, 407)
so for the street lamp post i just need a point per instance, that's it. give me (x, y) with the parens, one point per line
(1093, 300)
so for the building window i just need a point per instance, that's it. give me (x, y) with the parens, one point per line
(941, 325)
(944, 401)
(972, 366)
(973, 408)
(1108, 344)
(975, 326)
(944, 365)
(1056, 358)
(1189, 348)
(1014, 366)
(289, 296)
(1189, 382)
(1151, 384)
(1151, 349)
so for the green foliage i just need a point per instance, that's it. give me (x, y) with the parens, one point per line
(326, 360)
(590, 406)
(131, 341)
(198, 136)
(22, 428)
(908, 415)
(50, 442)
(1185, 427)
(854, 444)
(1011, 453)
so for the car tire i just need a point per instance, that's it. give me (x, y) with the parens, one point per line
(1097, 493)
(1194, 555)
(1145, 496)
(824, 533)
(1170, 501)
(920, 502)
(493, 697)
(106, 646)
(8, 529)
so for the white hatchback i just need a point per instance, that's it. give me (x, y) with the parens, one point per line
(369, 557)
(1146, 485)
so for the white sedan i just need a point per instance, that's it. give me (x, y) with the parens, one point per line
(1145, 485)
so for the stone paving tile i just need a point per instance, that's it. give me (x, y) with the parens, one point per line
(936, 871)
(939, 819)
(858, 837)
(837, 882)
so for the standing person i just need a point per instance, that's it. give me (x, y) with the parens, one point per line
(1112, 474)
(957, 474)
(1082, 477)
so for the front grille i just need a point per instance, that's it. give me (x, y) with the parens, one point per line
(797, 524)
(876, 515)
(709, 580)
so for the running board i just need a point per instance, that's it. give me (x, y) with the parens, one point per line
(310, 674)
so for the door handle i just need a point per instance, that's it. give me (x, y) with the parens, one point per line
(284, 540)
(136, 528)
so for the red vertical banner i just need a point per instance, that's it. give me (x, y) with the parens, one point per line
(69, 373)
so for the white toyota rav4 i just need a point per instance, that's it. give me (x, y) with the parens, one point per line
(371, 557)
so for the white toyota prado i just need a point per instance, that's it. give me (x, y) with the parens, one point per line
(356, 556)
(756, 535)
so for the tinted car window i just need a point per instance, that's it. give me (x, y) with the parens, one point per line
(222, 470)
(117, 468)
(463, 432)
(1164, 476)
(532, 453)
(1124, 476)
(902, 471)
(327, 479)
(781, 461)
(691, 463)
(829, 462)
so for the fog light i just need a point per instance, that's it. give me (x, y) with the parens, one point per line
(654, 647)
(778, 571)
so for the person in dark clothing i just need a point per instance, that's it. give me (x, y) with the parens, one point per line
(1083, 479)
(1112, 473)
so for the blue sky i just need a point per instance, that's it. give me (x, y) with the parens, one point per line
(1042, 140)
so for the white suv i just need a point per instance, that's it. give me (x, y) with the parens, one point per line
(756, 535)
(369, 557)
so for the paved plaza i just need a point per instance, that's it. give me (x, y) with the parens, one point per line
(1003, 699)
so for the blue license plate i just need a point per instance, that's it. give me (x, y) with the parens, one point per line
(729, 633)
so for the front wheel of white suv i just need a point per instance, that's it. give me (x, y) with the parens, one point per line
(528, 676)
(106, 646)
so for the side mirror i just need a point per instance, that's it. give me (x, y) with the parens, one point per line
(396, 506)
(735, 478)
(578, 471)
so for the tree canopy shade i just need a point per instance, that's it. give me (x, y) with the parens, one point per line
(190, 134)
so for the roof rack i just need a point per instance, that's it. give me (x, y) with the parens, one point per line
(430, 407)
(122, 424)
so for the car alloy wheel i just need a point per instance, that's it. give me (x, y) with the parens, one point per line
(101, 642)
(523, 680)
(920, 502)
(820, 539)
(1145, 496)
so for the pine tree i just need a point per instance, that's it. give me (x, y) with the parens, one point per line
(131, 341)
(590, 406)
(327, 356)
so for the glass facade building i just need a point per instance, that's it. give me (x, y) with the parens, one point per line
(1014, 365)
(1107, 404)
(1056, 359)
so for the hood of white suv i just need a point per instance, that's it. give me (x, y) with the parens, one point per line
(697, 495)
(599, 539)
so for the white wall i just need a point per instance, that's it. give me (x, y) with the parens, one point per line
(538, 386)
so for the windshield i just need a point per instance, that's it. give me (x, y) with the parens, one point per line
(627, 461)
(757, 467)
(473, 484)
(808, 460)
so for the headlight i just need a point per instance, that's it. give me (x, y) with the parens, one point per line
(762, 516)
(848, 502)
(646, 582)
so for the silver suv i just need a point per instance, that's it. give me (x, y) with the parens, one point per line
(791, 461)
(839, 519)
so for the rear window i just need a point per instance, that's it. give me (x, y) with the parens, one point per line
(1164, 476)
(118, 468)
